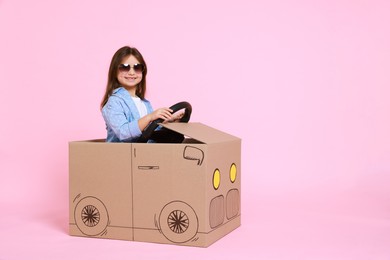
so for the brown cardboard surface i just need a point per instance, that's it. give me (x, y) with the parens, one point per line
(183, 194)
(200, 132)
(100, 173)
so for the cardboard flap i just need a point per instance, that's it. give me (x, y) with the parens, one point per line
(200, 132)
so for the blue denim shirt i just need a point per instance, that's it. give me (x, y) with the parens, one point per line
(121, 116)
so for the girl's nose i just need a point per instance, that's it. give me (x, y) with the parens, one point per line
(131, 71)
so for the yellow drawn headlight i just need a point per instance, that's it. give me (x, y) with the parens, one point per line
(233, 173)
(216, 179)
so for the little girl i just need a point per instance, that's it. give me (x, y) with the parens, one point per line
(124, 107)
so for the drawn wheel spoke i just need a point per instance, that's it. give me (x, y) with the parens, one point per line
(178, 221)
(90, 216)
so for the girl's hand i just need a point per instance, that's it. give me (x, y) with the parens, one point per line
(177, 116)
(162, 113)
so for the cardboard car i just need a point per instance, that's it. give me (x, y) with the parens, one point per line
(185, 193)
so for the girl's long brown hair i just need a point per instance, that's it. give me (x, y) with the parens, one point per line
(112, 82)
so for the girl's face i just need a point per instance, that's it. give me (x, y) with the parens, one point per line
(130, 73)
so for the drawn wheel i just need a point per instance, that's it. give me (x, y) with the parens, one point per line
(178, 222)
(91, 216)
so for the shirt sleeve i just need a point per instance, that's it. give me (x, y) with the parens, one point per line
(115, 118)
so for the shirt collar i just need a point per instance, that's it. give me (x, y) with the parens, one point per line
(121, 92)
(125, 95)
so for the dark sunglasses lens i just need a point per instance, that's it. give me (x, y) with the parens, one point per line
(139, 68)
(124, 67)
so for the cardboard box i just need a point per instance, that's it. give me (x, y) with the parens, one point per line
(184, 194)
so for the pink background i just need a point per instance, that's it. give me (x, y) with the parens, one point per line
(305, 84)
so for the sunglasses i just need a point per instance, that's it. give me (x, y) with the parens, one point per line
(138, 68)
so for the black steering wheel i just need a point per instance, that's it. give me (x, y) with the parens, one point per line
(165, 134)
